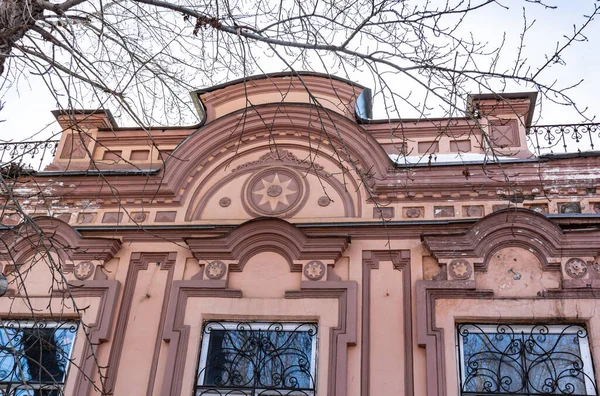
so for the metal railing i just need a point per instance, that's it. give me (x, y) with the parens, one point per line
(34, 155)
(554, 139)
(542, 139)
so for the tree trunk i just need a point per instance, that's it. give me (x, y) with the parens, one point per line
(16, 18)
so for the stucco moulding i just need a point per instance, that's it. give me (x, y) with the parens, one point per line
(176, 332)
(99, 330)
(172, 183)
(338, 95)
(276, 169)
(315, 270)
(339, 128)
(339, 131)
(275, 191)
(400, 260)
(186, 163)
(513, 227)
(433, 338)
(267, 234)
(84, 270)
(66, 242)
(215, 269)
(278, 157)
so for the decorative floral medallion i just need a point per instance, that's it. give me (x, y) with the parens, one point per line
(413, 213)
(224, 202)
(215, 270)
(275, 192)
(314, 270)
(460, 269)
(83, 270)
(324, 201)
(576, 268)
(139, 217)
(474, 211)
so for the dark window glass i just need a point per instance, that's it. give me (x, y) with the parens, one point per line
(34, 357)
(254, 358)
(525, 360)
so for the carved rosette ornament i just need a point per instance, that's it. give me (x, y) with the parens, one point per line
(576, 268)
(413, 213)
(83, 270)
(460, 269)
(139, 217)
(315, 270)
(324, 201)
(224, 202)
(275, 191)
(215, 270)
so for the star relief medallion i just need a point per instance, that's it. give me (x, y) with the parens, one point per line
(215, 270)
(576, 268)
(314, 270)
(276, 191)
(460, 269)
(83, 270)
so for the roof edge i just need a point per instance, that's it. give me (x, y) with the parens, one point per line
(85, 112)
(532, 96)
(265, 76)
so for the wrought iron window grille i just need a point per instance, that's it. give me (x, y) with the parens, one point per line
(35, 356)
(257, 358)
(524, 360)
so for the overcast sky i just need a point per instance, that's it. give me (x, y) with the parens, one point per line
(27, 109)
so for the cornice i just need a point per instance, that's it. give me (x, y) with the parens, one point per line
(364, 230)
(319, 131)
(400, 129)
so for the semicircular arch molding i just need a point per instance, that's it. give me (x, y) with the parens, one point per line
(315, 128)
(282, 157)
(514, 227)
(267, 235)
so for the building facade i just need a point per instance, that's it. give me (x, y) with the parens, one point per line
(290, 245)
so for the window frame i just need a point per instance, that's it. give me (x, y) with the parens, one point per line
(254, 325)
(41, 323)
(492, 328)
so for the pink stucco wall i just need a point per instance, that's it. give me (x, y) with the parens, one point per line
(386, 294)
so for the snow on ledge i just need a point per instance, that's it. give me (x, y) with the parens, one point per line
(448, 159)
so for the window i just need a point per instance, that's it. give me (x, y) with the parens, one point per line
(257, 359)
(524, 360)
(34, 357)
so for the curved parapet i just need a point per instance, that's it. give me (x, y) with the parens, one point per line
(323, 90)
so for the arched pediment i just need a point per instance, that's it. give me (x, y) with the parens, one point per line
(267, 235)
(318, 131)
(276, 183)
(48, 234)
(514, 227)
